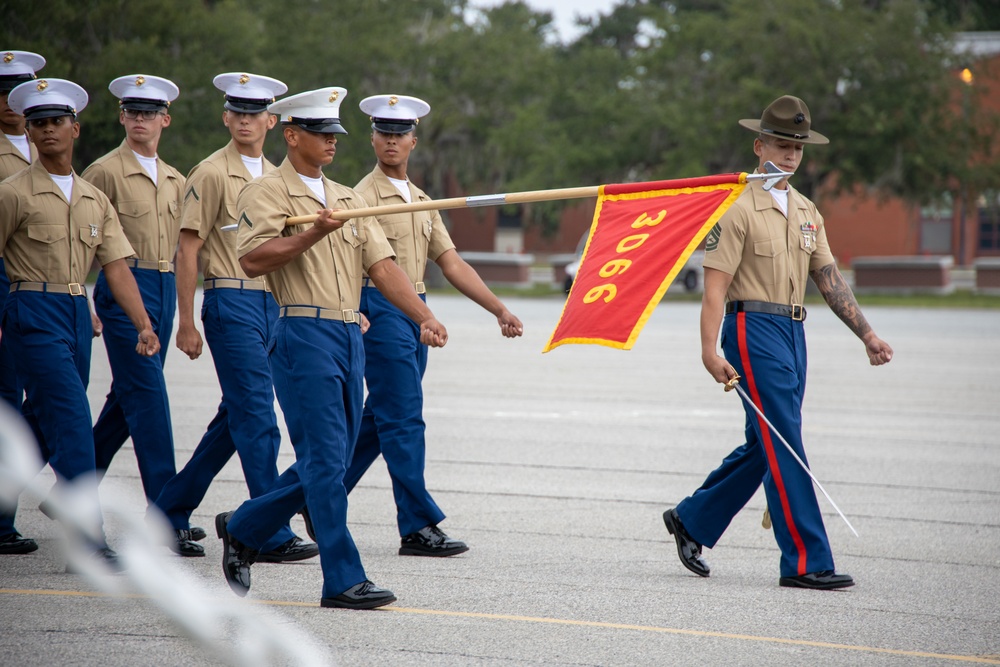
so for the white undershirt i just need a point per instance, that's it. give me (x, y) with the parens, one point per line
(148, 163)
(20, 141)
(65, 184)
(255, 165)
(781, 199)
(403, 186)
(316, 185)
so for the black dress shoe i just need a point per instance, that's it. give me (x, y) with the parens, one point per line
(108, 556)
(824, 581)
(310, 531)
(430, 541)
(16, 544)
(197, 533)
(294, 549)
(365, 595)
(183, 544)
(688, 550)
(236, 557)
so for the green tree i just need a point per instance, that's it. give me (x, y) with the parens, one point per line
(186, 41)
(876, 81)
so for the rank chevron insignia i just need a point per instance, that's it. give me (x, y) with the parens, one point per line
(192, 192)
(244, 218)
(712, 241)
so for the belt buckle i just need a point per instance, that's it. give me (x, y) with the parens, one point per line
(349, 315)
(798, 312)
(163, 265)
(75, 289)
(421, 289)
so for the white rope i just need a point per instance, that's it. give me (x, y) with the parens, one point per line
(235, 631)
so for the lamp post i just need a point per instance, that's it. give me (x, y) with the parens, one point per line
(967, 78)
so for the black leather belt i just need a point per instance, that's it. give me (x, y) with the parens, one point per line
(796, 311)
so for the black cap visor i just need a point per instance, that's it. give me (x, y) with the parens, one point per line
(317, 125)
(393, 125)
(143, 104)
(9, 82)
(49, 111)
(246, 105)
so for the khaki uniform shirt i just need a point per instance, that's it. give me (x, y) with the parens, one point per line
(328, 274)
(11, 159)
(414, 237)
(768, 255)
(210, 203)
(150, 213)
(44, 238)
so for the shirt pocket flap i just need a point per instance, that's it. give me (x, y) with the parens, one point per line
(46, 233)
(133, 208)
(353, 233)
(768, 248)
(92, 235)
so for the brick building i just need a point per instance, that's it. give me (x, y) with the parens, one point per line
(965, 228)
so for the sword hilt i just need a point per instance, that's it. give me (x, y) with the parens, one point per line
(733, 381)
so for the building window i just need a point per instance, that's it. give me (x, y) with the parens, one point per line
(936, 225)
(989, 221)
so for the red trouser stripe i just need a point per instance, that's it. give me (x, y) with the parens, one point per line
(765, 431)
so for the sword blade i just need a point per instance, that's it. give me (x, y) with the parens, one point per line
(767, 421)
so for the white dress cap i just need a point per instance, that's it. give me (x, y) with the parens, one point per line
(314, 110)
(144, 92)
(394, 114)
(17, 67)
(248, 93)
(47, 98)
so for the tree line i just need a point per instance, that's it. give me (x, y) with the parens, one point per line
(650, 90)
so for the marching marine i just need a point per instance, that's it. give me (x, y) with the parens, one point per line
(146, 192)
(52, 226)
(239, 315)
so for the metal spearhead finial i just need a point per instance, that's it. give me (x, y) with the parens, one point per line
(771, 168)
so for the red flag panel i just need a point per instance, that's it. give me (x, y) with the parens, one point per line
(642, 235)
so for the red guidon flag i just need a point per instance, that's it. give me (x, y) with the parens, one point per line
(642, 235)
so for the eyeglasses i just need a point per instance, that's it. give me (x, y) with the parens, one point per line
(132, 114)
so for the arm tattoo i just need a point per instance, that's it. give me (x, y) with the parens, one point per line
(840, 298)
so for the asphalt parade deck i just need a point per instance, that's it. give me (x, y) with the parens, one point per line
(556, 469)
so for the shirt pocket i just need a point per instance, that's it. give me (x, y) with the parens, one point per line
(47, 248)
(92, 235)
(353, 233)
(768, 260)
(133, 209)
(425, 223)
(807, 241)
(46, 234)
(396, 234)
(229, 238)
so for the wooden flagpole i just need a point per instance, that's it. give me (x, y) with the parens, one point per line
(456, 202)
(495, 200)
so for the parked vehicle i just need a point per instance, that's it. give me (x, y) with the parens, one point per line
(690, 277)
